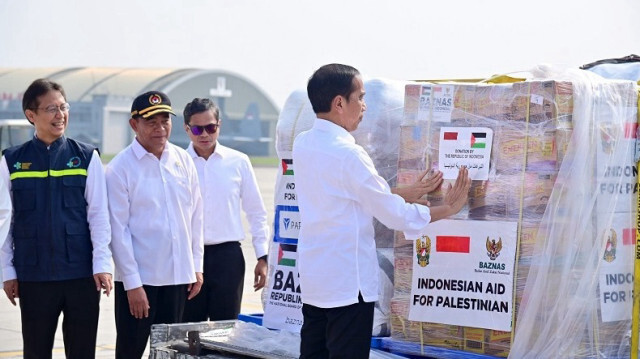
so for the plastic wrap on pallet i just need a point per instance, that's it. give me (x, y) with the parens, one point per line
(583, 261)
(562, 168)
(378, 134)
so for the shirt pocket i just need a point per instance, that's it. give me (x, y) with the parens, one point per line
(79, 246)
(24, 195)
(183, 191)
(25, 245)
(73, 191)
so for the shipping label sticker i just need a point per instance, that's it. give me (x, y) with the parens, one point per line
(287, 224)
(442, 103)
(465, 146)
(424, 108)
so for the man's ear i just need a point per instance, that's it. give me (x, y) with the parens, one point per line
(338, 103)
(134, 124)
(30, 116)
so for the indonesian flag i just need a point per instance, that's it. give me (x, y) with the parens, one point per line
(629, 236)
(453, 244)
(451, 136)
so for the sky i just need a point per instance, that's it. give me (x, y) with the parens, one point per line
(278, 44)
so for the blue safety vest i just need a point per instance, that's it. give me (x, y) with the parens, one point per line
(51, 238)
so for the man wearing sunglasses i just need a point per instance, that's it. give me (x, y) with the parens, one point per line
(156, 219)
(56, 259)
(228, 186)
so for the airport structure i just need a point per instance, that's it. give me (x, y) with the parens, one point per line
(101, 98)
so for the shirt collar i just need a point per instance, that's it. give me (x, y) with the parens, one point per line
(220, 150)
(333, 129)
(140, 151)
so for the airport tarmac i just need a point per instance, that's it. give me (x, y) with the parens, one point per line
(10, 333)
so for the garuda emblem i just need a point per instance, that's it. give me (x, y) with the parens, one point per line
(494, 248)
(610, 249)
(423, 250)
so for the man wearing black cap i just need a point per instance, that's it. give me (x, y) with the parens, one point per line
(156, 216)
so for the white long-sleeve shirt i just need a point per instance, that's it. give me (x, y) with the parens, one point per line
(5, 217)
(155, 208)
(339, 192)
(95, 193)
(229, 186)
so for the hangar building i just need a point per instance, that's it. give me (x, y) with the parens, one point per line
(101, 98)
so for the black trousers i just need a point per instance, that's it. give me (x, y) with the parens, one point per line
(221, 295)
(40, 306)
(341, 332)
(166, 307)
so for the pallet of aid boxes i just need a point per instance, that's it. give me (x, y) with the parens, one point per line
(460, 284)
(585, 260)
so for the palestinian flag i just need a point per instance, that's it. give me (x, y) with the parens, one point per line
(287, 167)
(451, 136)
(478, 140)
(453, 244)
(287, 255)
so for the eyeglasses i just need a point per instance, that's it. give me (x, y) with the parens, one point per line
(198, 130)
(53, 109)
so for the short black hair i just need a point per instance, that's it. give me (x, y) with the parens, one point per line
(38, 88)
(198, 105)
(328, 82)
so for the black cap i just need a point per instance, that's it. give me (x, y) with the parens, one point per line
(150, 103)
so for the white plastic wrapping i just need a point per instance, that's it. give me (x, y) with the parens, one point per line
(571, 192)
(562, 310)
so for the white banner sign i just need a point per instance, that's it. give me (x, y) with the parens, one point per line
(463, 274)
(283, 306)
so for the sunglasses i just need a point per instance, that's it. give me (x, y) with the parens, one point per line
(198, 130)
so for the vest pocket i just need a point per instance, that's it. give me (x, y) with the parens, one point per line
(24, 194)
(73, 191)
(79, 247)
(25, 246)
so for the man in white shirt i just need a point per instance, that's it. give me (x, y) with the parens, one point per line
(339, 193)
(156, 218)
(228, 186)
(5, 213)
(56, 258)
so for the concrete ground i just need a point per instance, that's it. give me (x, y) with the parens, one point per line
(10, 333)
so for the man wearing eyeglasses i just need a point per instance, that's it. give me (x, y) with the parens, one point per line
(156, 219)
(228, 185)
(56, 257)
